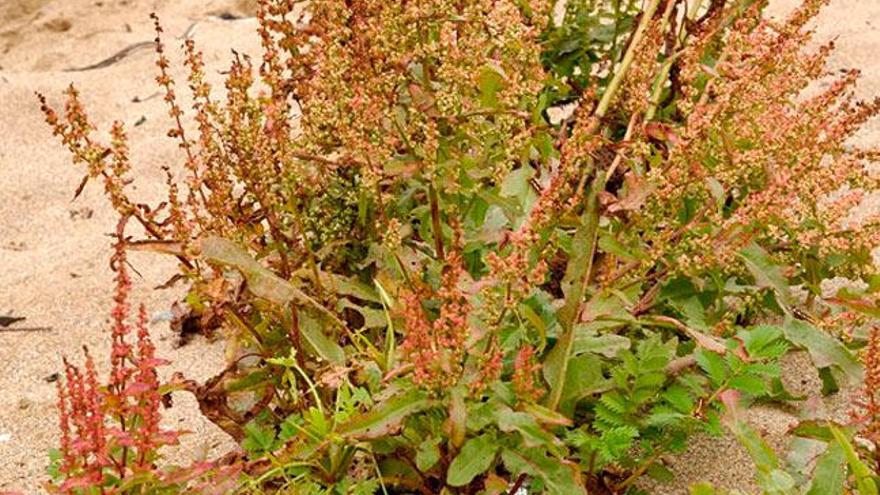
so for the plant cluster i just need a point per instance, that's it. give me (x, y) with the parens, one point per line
(111, 432)
(429, 284)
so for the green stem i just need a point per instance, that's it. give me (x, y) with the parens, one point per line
(638, 36)
(616, 33)
(436, 226)
(695, 9)
(657, 88)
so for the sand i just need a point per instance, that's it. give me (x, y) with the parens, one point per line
(54, 251)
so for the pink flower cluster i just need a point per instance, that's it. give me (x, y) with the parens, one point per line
(113, 430)
(436, 348)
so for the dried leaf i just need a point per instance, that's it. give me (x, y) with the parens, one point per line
(637, 191)
(261, 281)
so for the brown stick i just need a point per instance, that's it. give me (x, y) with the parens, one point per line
(116, 57)
(517, 485)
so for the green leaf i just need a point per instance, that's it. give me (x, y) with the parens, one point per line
(766, 273)
(693, 312)
(813, 429)
(458, 416)
(532, 433)
(824, 349)
(748, 384)
(386, 416)
(249, 381)
(763, 341)
(502, 210)
(428, 454)
(762, 454)
(660, 472)
(678, 288)
(258, 438)
(829, 383)
(609, 244)
(663, 416)
(489, 82)
(861, 472)
(366, 487)
(678, 397)
(771, 479)
(482, 414)
(801, 456)
(390, 341)
(830, 473)
(777, 482)
(517, 185)
(574, 284)
(559, 478)
(616, 442)
(373, 318)
(703, 488)
(654, 354)
(346, 286)
(607, 345)
(712, 364)
(583, 378)
(779, 393)
(536, 321)
(474, 458)
(319, 343)
(55, 462)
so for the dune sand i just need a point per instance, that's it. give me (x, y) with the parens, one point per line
(54, 251)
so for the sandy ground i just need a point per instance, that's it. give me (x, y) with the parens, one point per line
(54, 251)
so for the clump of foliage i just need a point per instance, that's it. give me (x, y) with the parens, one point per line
(430, 286)
(111, 432)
